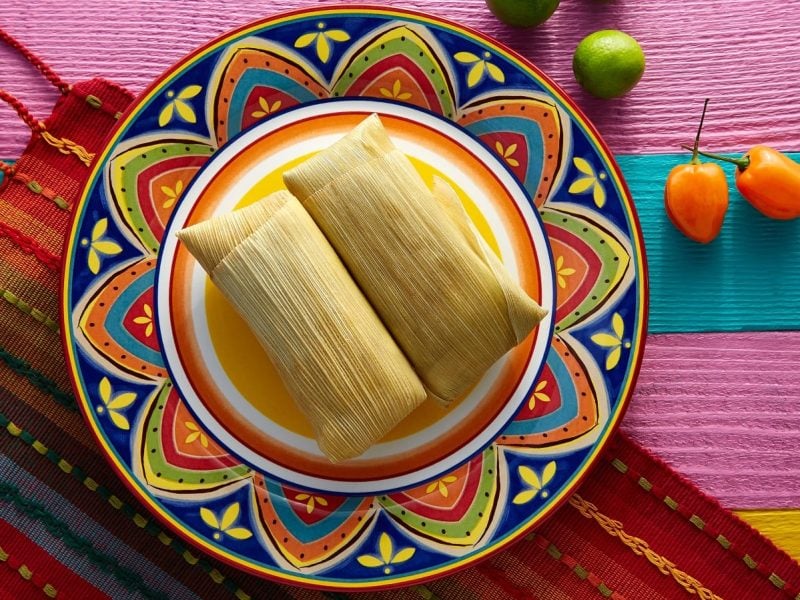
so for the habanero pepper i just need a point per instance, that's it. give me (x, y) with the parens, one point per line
(696, 195)
(769, 180)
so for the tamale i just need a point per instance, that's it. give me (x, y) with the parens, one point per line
(336, 358)
(448, 303)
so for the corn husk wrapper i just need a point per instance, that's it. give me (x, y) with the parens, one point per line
(443, 295)
(333, 353)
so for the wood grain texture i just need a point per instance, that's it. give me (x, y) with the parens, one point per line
(724, 410)
(746, 280)
(744, 57)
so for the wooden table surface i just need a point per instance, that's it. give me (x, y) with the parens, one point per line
(719, 392)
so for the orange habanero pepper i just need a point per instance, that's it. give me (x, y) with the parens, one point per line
(769, 180)
(696, 196)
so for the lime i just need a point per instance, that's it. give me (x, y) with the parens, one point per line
(608, 63)
(523, 13)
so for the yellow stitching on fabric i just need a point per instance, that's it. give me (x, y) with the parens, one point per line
(645, 485)
(697, 522)
(38, 188)
(642, 548)
(777, 581)
(425, 593)
(66, 146)
(93, 101)
(27, 575)
(216, 576)
(113, 500)
(14, 300)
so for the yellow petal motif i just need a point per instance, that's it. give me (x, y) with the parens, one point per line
(107, 247)
(431, 487)
(93, 260)
(239, 533)
(119, 420)
(618, 325)
(190, 426)
(323, 48)
(209, 518)
(262, 102)
(599, 194)
(579, 186)
(530, 477)
(583, 166)
(525, 497)
(548, 472)
(495, 72)
(321, 501)
(229, 516)
(192, 437)
(122, 401)
(305, 40)
(605, 339)
(367, 560)
(165, 116)
(190, 91)
(403, 555)
(105, 390)
(185, 111)
(99, 229)
(337, 35)
(476, 73)
(613, 358)
(443, 489)
(385, 548)
(466, 57)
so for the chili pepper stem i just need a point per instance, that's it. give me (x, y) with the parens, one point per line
(695, 149)
(742, 163)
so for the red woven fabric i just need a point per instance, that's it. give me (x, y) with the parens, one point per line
(635, 530)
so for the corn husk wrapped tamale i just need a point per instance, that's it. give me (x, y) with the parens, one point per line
(333, 353)
(445, 298)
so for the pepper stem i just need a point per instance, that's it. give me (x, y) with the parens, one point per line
(695, 150)
(742, 163)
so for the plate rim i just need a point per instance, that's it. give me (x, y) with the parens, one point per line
(638, 256)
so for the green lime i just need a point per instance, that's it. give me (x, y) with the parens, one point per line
(608, 63)
(523, 13)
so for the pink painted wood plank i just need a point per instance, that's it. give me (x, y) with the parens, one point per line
(724, 410)
(742, 54)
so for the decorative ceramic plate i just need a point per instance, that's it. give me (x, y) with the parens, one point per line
(181, 397)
